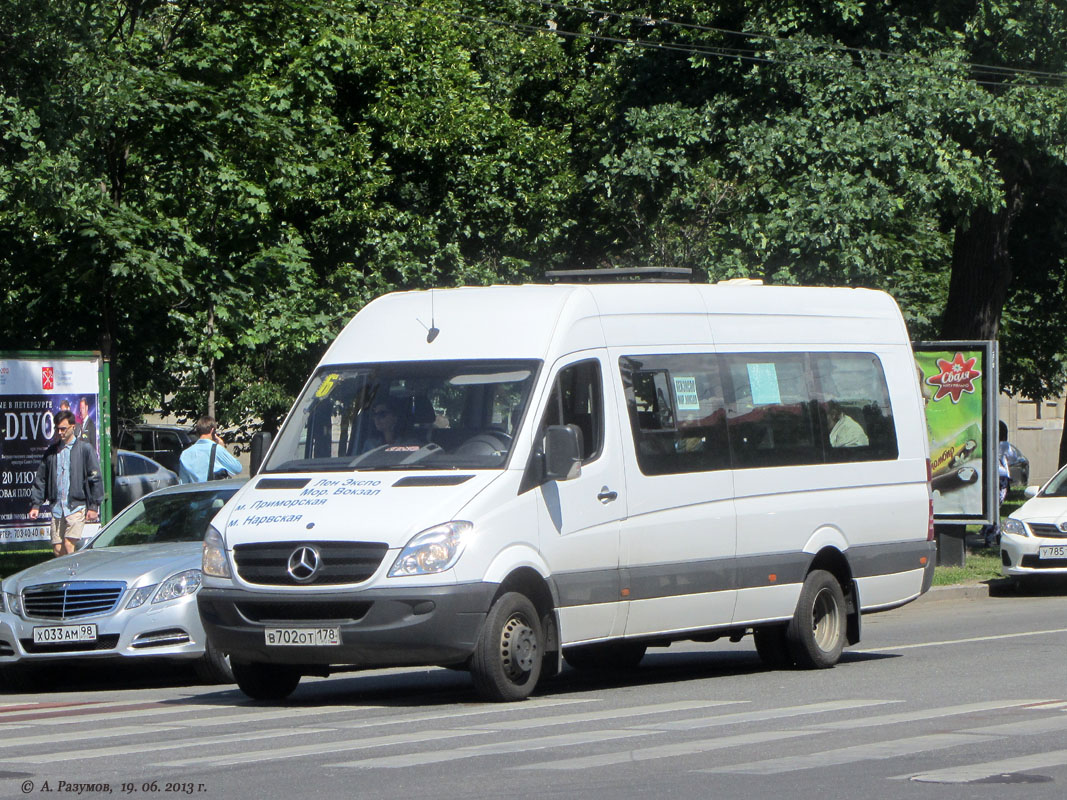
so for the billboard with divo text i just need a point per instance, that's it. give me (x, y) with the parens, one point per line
(34, 387)
(959, 386)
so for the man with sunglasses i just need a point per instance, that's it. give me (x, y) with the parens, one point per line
(68, 479)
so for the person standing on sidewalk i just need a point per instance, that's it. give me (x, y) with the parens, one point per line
(206, 459)
(69, 480)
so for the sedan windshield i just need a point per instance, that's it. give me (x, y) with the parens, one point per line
(1057, 487)
(406, 415)
(178, 517)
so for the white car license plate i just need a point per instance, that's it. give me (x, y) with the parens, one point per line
(1052, 551)
(303, 637)
(61, 634)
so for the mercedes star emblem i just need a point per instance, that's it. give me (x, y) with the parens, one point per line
(304, 563)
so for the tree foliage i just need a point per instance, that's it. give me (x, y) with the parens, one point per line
(211, 190)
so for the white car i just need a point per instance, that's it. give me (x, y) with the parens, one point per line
(128, 593)
(1033, 539)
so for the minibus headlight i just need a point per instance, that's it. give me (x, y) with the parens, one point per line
(1013, 526)
(215, 563)
(433, 550)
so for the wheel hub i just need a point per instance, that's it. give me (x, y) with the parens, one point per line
(518, 647)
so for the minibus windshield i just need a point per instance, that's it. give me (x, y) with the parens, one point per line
(408, 415)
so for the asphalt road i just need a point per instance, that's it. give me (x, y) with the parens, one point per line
(961, 695)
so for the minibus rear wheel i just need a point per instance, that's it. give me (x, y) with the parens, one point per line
(506, 662)
(265, 681)
(816, 634)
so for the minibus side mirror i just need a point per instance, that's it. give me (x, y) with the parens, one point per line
(563, 453)
(260, 446)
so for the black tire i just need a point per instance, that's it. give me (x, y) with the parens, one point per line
(213, 666)
(19, 678)
(605, 656)
(816, 634)
(506, 662)
(265, 681)
(772, 646)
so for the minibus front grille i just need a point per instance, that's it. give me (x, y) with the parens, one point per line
(335, 562)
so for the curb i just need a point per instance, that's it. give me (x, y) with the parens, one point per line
(965, 591)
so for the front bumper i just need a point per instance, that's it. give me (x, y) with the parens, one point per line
(1019, 556)
(378, 627)
(171, 630)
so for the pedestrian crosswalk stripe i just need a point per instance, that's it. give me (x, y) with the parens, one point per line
(969, 773)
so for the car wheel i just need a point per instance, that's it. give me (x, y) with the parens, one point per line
(772, 646)
(19, 678)
(213, 666)
(506, 662)
(816, 634)
(265, 681)
(608, 656)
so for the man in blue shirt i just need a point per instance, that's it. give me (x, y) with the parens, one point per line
(206, 459)
(68, 479)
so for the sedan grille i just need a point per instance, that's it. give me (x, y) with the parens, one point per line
(337, 562)
(72, 599)
(1047, 530)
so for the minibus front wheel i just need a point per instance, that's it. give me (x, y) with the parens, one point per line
(265, 681)
(506, 662)
(816, 634)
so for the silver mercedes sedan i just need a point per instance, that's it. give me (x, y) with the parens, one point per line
(129, 592)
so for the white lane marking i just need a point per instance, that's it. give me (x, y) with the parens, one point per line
(611, 713)
(765, 714)
(848, 755)
(324, 747)
(488, 728)
(152, 747)
(1027, 727)
(967, 773)
(87, 736)
(664, 751)
(115, 714)
(719, 743)
(493, 748)
(922, 714)
(507, 708)
(945, 642)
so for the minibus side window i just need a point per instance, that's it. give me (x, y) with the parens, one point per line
(577, 399)
(854, 404)
(677, 414)
(772, 420)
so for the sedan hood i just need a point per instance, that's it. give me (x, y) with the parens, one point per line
(153, 562)
(1052, 510)
(388, 507)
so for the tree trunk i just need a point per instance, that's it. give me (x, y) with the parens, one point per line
(981, 267)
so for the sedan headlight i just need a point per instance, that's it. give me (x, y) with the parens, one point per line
(178, 586)
(1014, 526)
(433, 550)
(215, 563)
(12, 602)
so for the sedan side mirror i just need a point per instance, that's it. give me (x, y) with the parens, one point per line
(1031, 491)
(563, 452)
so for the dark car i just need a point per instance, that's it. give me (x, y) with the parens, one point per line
(136, 476)
(162, 443)
(1018, 464)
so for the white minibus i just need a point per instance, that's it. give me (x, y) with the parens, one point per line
(505, 478)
